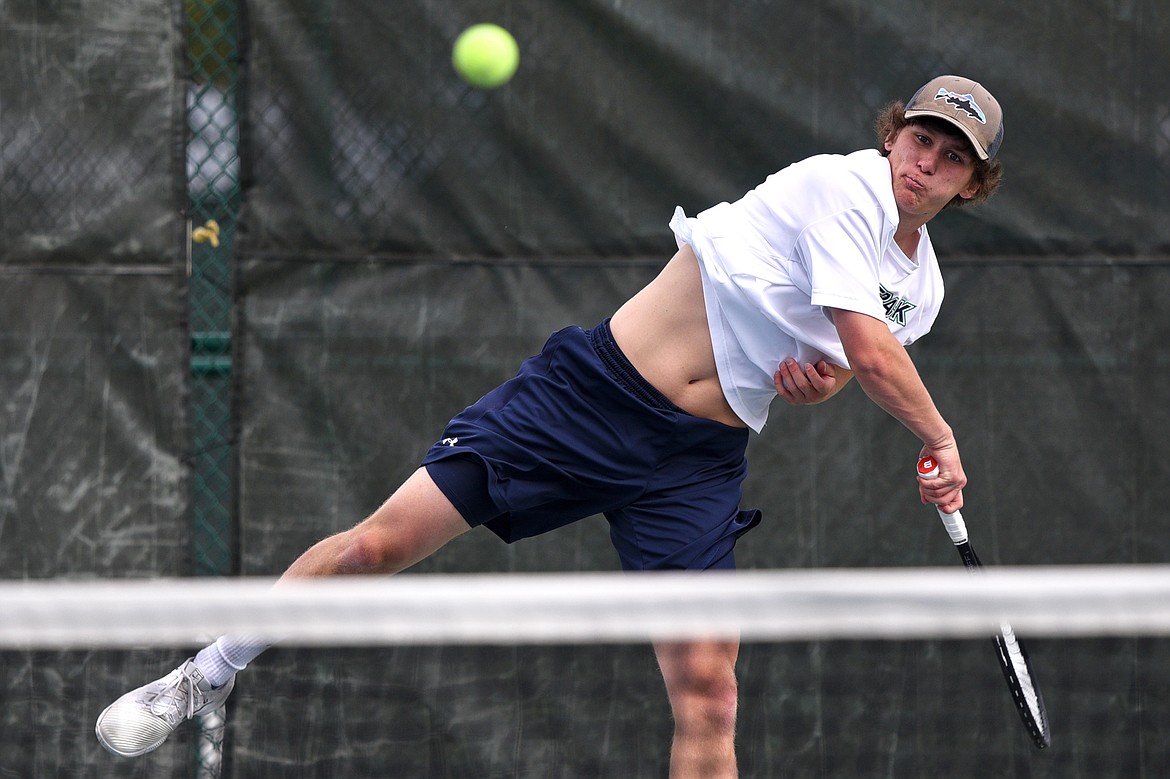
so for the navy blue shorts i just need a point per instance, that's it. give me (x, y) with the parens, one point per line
(579, 432)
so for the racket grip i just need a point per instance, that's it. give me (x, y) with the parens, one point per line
(956, 527)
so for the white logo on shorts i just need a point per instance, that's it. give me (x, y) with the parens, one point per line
(449, 441)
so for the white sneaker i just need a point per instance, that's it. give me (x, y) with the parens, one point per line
(141, 720)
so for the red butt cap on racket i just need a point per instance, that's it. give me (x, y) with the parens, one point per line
(927, 467)
(956, 527)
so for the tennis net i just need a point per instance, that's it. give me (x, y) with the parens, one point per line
(881, 673)
(584, 608)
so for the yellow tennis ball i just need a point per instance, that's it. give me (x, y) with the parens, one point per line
(485, 55)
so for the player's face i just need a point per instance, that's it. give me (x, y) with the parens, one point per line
(929, 168)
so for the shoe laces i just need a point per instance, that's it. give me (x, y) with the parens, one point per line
(174, 694)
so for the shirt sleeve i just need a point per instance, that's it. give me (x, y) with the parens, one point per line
(840, 254)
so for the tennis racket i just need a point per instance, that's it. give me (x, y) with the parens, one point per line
(1013, 657)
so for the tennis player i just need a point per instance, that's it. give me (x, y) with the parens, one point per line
(823, 273)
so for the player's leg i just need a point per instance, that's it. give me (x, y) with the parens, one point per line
(691, 522)
(413, 523)
(416, 521)
(701, 684)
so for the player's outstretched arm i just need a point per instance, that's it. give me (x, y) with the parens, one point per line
(887, 374)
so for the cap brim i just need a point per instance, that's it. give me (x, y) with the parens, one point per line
(970, 136)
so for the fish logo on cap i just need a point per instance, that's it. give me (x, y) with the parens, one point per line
(964, 103)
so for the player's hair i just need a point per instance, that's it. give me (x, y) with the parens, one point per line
(988, 173)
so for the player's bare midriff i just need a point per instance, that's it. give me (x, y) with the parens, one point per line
(663, 332)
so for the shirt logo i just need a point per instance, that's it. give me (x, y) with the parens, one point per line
(896, 307)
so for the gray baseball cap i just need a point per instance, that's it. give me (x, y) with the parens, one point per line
(967, 105)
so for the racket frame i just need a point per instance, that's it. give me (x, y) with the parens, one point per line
(1009, 650)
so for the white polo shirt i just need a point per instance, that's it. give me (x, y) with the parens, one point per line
(819, 233)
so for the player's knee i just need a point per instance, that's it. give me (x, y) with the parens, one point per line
(705, 699)
(368, 551)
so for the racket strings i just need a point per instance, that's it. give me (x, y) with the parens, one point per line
(1020, 666)
(1024, 690)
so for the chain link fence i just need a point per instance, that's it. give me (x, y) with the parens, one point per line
(213, 179)
(213, 176)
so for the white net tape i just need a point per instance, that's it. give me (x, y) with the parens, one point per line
(802, 604)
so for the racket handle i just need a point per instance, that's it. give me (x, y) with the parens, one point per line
(956, 527)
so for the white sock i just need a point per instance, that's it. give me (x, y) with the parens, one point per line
(221, 660)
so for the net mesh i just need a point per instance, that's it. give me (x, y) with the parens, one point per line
(842, 672)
